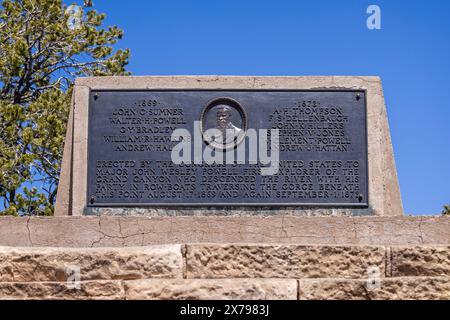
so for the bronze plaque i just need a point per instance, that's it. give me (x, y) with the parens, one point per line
(322, 148)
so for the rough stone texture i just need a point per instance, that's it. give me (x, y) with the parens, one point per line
(227, 271)
(224, 289)
(408, 288)
(89, 290)
(282, 261)
(420, 261)
(50, 264)
(142, 231)
(414, 288)
(384, 191)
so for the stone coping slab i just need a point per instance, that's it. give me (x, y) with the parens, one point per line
(106, 231)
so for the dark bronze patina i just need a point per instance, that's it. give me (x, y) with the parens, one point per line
(323, 148)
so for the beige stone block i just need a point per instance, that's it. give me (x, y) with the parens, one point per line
(87, 290)
(74, 232)
(14, 231)
(393, 231)
(414, 288)
(208, 289)
(435, 230)
(78, 200)
(282, 261)
(130, 231)
(56, 264)
(421, 261)
(63, 205)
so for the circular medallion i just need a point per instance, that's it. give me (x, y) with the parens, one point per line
(223, 123)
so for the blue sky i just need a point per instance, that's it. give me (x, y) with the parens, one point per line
(410, 53)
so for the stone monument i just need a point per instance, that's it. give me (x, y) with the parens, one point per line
(227, 188)
(333, 153)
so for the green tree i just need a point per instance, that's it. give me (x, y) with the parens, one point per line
(446, 211)
(44, 46)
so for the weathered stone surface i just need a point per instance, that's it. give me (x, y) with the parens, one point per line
(65, 178)
(435, 233)
(88, 290)
(409, 288)
(404, 230)
(58, 232)
(51, 264)
(79, 151)
(132, 231)
(420, 261)
(14, 231)
(406, 288)
(207, 289)
(282, 261)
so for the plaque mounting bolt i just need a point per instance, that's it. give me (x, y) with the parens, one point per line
(95, 96)
(358, 96)
(92, 201)
(360, 197)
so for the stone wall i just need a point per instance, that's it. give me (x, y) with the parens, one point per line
(285, 257)
(228, 271)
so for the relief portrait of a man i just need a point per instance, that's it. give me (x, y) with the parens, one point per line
(228, 131)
